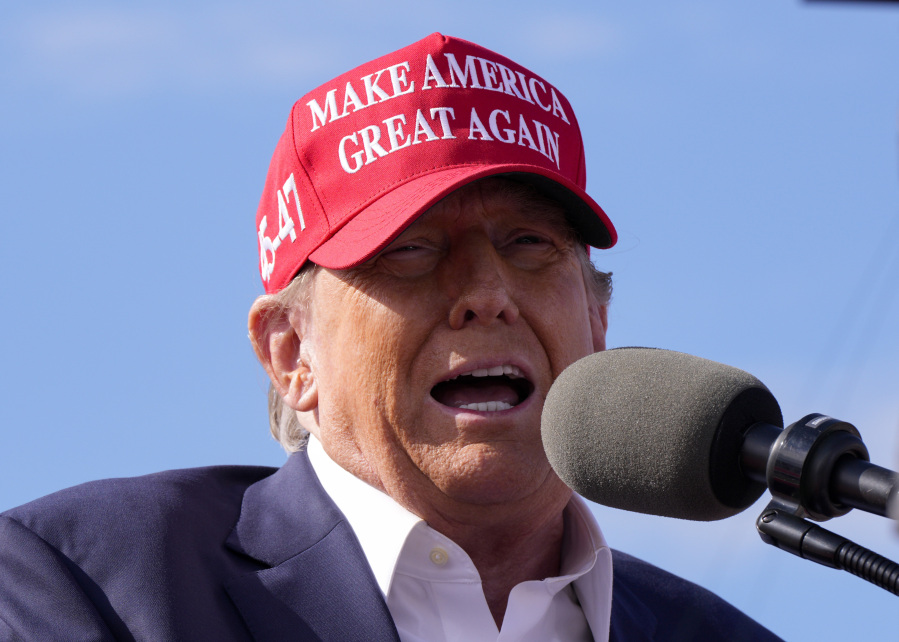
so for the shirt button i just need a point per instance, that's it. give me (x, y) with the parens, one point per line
(438, 556)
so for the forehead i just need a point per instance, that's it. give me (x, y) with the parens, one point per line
(501, 200)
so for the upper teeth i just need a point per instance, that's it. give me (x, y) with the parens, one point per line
(513, 372)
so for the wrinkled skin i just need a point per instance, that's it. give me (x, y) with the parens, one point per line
(484, 278)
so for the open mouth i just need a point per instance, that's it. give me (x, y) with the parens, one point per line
(486, 389)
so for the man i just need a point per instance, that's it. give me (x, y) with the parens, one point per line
(422, 239)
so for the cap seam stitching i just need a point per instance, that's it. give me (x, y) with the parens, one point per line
(308, 169)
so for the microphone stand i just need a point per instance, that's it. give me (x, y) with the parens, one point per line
(788, 532)
(818, 468)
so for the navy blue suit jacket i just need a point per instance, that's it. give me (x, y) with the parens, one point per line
(249, 553)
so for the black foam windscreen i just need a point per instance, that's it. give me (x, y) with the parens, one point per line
(656, 431)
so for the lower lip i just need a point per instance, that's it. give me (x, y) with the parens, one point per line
(523, 406)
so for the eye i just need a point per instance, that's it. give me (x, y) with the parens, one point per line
(530, 248)
(409, 258)
(529, 239)
(402, 252)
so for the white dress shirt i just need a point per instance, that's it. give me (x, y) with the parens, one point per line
(433, 590)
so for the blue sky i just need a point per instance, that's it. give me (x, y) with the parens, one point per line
(747, 153)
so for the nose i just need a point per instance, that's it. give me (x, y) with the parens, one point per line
(478, 283)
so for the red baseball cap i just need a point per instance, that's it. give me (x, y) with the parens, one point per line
(367, 153)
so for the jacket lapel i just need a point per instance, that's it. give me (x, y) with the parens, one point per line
(632, 619)
(317, 584)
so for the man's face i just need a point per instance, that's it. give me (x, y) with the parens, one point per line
(432, 360)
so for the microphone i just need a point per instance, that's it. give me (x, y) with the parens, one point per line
(671, 434)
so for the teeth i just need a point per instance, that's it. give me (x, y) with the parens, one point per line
(489, 406)
(513, 372)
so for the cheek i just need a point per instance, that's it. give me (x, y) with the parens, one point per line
(370, 350)
(392, 328)
(561, 319)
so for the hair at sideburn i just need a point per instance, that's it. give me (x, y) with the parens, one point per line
(283, 422)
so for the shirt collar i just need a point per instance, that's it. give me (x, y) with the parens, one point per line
(382, 526)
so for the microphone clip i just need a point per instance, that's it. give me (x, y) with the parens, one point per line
(819, 468)
(780, 527)
(802, 461)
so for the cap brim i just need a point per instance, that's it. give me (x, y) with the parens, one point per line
(376, 225)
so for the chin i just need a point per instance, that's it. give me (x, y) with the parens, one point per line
(485, 474)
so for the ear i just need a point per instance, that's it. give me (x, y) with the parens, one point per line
(277, 338)
(599, 323)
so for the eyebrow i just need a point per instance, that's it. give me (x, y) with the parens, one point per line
(532, 201)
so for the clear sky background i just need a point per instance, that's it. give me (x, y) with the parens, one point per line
(747, 153)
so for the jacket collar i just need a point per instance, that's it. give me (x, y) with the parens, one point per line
(632, 619)
(317, 584)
